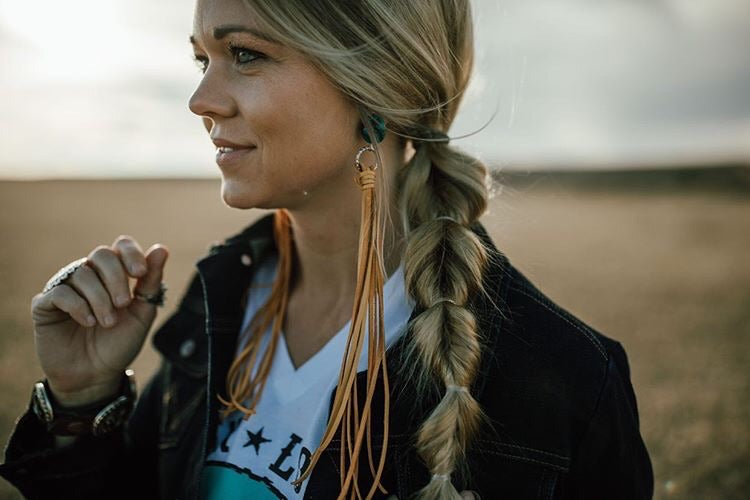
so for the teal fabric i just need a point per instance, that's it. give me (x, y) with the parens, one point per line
(220, 482)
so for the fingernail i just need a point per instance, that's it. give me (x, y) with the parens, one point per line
(90, 321)
(121, 300)
(109, 320)
(137, 268)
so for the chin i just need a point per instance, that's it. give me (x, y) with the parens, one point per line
(243, 197)
(235, 197)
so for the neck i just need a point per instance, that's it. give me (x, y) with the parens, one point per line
(326, 240)
(327, 252)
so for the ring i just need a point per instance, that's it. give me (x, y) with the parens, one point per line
(154, 298)
(358, 164)
(64, 273)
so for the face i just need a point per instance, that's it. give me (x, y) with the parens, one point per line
(302, 132)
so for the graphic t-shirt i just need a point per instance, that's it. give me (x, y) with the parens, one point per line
(260, 457)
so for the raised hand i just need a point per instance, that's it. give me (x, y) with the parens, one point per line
(88, 329)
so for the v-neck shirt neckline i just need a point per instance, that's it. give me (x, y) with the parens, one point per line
(288, 383)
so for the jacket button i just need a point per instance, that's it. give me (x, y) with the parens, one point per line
(245, 259)
(187, 348)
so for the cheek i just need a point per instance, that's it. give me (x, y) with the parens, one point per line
(306, 136)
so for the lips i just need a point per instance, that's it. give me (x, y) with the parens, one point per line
(229, 152)
(226, 156)
(225, 143)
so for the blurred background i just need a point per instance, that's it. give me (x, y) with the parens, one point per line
(619, 132)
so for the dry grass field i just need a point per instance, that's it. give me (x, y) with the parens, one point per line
(666, 272)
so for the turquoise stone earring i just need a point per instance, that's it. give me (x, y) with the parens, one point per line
(378, 124)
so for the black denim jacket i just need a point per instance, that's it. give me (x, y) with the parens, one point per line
(558, 393)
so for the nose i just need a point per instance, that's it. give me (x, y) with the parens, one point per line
(210, 100)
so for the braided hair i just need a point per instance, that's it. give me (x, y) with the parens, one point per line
(443, 191)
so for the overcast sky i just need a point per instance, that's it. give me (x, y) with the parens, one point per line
(99, 88)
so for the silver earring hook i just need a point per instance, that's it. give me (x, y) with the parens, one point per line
(357, 163)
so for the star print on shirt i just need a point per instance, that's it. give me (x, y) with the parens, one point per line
(256, 439)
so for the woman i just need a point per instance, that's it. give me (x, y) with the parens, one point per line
(364, 340)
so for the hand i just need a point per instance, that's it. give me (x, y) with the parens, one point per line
(84, 361)
(465, 495)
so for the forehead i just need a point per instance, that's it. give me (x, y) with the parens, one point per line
(213, 19)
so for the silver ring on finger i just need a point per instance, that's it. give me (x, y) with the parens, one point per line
(64, 273)
(154, 298)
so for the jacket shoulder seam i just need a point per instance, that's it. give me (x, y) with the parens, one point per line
(554, 309)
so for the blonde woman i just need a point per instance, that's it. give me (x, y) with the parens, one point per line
(364, 339)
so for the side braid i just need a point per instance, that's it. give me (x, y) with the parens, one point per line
(443, 266)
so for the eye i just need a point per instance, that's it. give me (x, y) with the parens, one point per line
(243, 55)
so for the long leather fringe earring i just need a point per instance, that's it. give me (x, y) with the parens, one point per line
(368, 306)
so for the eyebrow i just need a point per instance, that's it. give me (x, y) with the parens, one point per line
(222, 31)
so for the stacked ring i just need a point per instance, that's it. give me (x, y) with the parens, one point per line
(154, 298)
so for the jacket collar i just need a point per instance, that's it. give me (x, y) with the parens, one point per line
(182, 339)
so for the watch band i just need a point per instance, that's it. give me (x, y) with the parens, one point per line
(97, 418)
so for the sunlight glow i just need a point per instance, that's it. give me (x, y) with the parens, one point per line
(71, 41)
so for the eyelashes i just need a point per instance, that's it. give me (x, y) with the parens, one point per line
(237, 52)
(201, 62)
(238, 49)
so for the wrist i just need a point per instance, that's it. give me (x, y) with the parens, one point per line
(90, 396)
(96, 411)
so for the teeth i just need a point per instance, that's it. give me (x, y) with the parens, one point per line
(224, 149)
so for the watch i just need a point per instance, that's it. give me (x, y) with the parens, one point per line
(97, 418)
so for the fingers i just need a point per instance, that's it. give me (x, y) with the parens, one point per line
(131, 255)
(110, 268)
(104, 281)
(87, 283)
(102, 285)
(114, 264)
(64, 298)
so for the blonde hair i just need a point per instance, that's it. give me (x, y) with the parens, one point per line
(410, 63)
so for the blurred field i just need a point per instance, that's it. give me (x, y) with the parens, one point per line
(664, 271)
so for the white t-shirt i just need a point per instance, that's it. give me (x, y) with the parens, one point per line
(260, 457)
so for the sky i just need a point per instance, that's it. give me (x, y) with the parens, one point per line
(99, 89)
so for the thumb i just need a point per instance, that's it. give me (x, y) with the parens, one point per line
(149, 283)
(156, 259)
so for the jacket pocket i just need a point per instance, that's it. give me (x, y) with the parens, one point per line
(501, 470)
